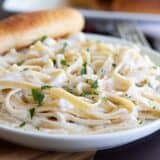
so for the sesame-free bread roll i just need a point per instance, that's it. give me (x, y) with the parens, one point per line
(23, 29)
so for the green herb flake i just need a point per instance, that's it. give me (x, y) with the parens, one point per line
(139, 85)
(68, 89)
(37, 127)
(20, 63)
(63, 62)
(62, 50)
(43, 38)
(25, 69)
(104, 99)
(126, 95)
(86, 93)
(54, 62)
(88, 50)
(149, 85)
(84, 69)
(114, 65)
(38, 96)
(32, 112)
(45, 87)
(140, 121)
(22, 124)
(95, 93)
(154, 67)
(95, 85)
(64, 45)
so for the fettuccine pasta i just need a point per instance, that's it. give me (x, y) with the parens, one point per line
(78, 86)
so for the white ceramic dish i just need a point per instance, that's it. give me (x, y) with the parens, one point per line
(82, 143)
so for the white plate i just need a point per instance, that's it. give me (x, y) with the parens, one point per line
(82, 143)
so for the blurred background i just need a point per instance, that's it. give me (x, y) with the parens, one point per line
(135, 20)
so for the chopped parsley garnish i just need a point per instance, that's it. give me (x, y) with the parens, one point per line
(32, 112)
(25, 69)
(68, 89)
(113, 65)
(149, 85)
(94, 84)
(54, 62)
(65, 45)
(38, 96)
(154, 67)
(22, 124)
(95, 93)
(37, 127)
(43, 38)
(139, 85)
(20, 63)
(126, 95)
(87, 49)
(45, 87)
(84, 69)
(62, 50)
(64, 63)
(87, 93)
(141, 121)
(104, 99)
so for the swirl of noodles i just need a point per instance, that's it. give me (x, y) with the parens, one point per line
(76, 86)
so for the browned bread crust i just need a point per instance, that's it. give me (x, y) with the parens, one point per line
(21, 30)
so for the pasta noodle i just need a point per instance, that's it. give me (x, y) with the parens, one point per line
(78, 86)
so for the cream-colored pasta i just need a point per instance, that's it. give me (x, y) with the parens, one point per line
(78, 86)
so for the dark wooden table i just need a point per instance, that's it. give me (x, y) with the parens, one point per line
(145, 149)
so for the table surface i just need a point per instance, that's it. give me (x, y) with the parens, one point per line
(145, 149)
(10, 151)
